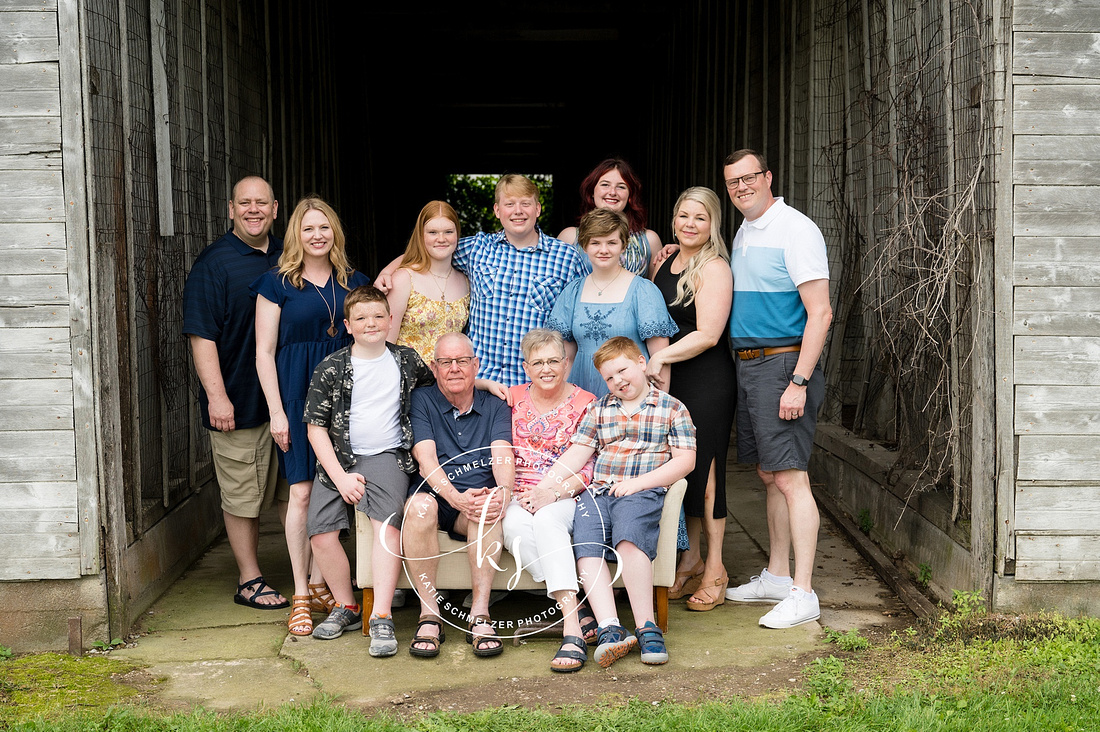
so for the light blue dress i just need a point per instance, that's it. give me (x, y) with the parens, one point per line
(640, 315)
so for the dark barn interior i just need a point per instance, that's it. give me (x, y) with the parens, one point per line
(534, 87)
(867, 111)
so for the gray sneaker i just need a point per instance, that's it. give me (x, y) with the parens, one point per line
(339, 620)
(383, 642)
(764, 587)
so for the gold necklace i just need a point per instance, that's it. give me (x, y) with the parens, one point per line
(599, 290)
(443, 288)
(331, 311)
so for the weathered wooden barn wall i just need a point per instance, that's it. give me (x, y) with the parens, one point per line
(877, 120)
(123, 125)
(49, 502)
(1049, 510)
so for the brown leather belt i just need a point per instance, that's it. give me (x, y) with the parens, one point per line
(750, 353)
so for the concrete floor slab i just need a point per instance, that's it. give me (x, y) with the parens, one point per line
(220, 655)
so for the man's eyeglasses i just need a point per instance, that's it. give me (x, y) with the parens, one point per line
(749, 179)
(551, 362)
(445, 363)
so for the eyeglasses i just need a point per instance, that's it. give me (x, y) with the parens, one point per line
(749, 179)
(445, 363)
(551, 362)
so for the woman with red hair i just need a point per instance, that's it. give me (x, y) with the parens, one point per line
(614, 185)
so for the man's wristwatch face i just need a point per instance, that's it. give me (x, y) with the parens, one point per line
(798, 380)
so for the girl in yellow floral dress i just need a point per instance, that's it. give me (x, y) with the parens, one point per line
(429, 297)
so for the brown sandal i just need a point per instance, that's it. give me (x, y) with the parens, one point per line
(301, 620)
(321, 599)
(484, 646)
(703, 593)
(686, 582)
(432, 641)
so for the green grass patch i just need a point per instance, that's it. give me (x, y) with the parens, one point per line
(966, 671)
(51, 685)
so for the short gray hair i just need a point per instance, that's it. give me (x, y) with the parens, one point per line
(536, 338)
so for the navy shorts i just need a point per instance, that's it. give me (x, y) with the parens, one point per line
(762, 437)
(601, 522)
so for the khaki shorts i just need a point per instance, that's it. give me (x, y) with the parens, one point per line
(247, 470)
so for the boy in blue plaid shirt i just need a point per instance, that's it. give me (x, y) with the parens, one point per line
(644, 441)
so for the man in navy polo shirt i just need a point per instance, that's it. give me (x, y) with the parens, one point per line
(219, 316)
(462, 440)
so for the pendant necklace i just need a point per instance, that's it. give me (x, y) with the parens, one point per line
(331, 311)
(443, 287)
(599, 290)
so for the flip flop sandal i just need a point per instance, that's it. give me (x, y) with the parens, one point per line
(482, 644)
(321, 599)
(564, 653)
(300, 621)
(435, 642)
(259, 588)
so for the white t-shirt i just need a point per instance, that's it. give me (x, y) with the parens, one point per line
(375, 420)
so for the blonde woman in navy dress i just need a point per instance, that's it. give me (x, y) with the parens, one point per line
(299, 321)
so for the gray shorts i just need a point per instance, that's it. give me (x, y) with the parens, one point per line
(762, 437)
(384, 497)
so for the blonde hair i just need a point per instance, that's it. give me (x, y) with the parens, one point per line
(513, 184)
(691, 279)
(293, 256)
(416, 253)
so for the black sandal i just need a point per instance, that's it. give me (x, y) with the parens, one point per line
(581, 655)
(435, 641)
(259, 589)
(479, 641)
(589, 628)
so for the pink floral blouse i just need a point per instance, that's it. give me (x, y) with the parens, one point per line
(540, 439)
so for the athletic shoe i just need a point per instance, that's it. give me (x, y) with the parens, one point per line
(799, 607)
(383, 642)
(339, 620)
(614, 643)
(764, 587)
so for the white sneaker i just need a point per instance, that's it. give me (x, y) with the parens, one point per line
(799, 607)
(764, 587)
(398, 598)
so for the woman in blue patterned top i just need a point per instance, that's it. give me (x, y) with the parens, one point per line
(612, 301)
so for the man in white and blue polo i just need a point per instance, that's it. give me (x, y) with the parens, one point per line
(780, 318)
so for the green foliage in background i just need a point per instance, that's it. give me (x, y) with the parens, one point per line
(473, 196)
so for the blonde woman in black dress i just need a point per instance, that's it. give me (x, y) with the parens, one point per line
(698, 288)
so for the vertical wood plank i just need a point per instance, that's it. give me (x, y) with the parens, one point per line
(79, 284)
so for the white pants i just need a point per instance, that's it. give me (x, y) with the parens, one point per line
(545, 543)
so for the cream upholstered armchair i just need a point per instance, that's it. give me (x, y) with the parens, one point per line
(454, 568)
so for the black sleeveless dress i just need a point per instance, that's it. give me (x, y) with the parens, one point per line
(707, 386)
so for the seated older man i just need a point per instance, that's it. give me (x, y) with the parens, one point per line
(462, 441)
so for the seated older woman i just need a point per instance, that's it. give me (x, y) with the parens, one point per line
(538, 524)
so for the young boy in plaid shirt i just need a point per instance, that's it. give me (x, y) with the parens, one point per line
(644, 441)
